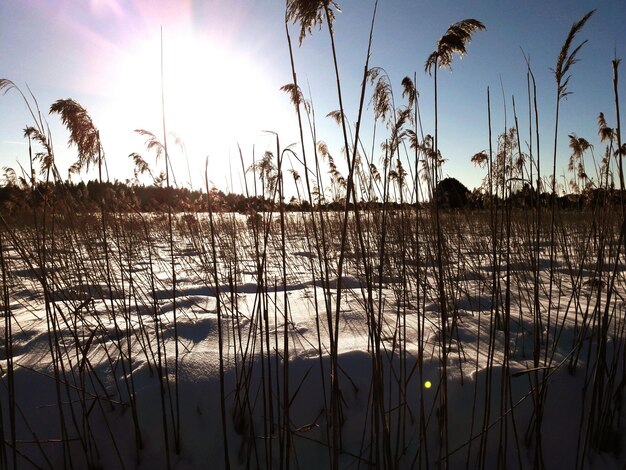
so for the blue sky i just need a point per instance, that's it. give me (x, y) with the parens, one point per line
(226, 60)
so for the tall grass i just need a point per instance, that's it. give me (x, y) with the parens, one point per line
(488, 308)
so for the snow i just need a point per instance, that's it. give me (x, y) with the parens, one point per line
(107, 342)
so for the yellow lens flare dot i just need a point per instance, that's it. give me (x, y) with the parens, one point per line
(428, 384)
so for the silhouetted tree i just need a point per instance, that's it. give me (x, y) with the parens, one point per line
(451, 193)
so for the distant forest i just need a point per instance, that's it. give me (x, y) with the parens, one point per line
(117, 196)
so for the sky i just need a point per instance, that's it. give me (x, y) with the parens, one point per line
(225, 61)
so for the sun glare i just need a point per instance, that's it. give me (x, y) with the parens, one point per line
(210, 89)
(215, 96)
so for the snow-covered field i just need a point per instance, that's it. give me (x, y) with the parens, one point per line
(108, 363)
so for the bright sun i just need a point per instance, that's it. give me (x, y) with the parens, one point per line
(209, 86)
(214, 96)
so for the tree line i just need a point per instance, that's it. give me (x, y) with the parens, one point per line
(16, 199)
